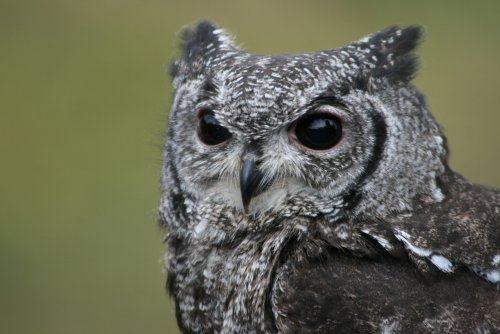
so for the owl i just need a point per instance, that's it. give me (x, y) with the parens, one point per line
(310, 193)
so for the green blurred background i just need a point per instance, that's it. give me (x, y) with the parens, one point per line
(84, 98)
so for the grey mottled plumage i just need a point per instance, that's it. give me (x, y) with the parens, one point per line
(373, 235)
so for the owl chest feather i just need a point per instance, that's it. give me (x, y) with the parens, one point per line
(226, 289)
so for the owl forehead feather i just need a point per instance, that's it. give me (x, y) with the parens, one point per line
(387, 54)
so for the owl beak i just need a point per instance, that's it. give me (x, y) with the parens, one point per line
(250, 177)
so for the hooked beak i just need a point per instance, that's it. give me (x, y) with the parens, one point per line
(250, 176)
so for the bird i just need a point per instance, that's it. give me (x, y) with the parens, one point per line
(311, 193)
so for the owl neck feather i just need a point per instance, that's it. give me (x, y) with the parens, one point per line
(225, 289)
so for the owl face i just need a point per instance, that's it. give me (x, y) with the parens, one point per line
(255, 131)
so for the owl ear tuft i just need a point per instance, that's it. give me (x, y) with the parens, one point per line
(203, 41)
(389, 53)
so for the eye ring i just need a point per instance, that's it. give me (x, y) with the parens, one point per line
(209, 131)
(317, 132)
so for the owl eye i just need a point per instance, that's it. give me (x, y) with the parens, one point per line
(210, 131)
(318, 131)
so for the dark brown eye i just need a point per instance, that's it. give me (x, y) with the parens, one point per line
(320, 131)
(210, 131)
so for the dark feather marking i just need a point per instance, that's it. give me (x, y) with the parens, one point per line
(380, 132)
(207, 91)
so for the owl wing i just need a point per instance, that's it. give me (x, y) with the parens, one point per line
(433, 271)
(460, 232)
(345, 294)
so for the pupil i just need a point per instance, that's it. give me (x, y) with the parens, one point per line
(210, 131)
(319, 131)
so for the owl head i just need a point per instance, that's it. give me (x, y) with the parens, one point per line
(339, 128)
